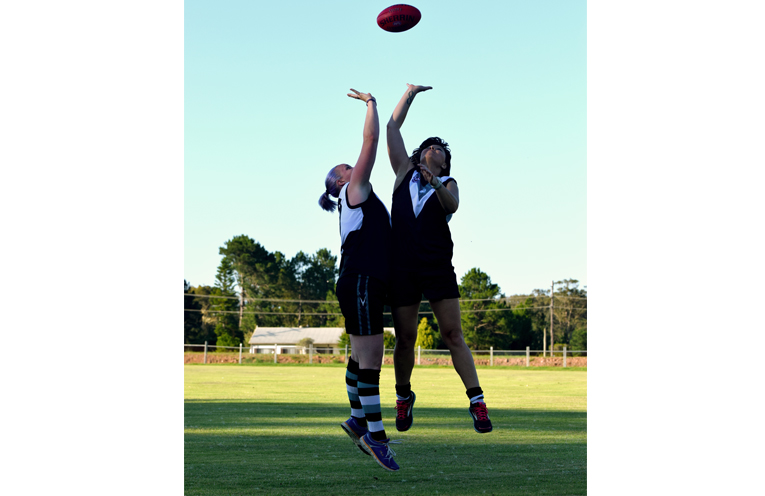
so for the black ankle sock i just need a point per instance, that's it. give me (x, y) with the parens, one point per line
(378, 435)
(473, 393)
(404, 391)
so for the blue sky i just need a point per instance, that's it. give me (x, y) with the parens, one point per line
(266, 116)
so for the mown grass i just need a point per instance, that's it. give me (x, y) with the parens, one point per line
(275, 430)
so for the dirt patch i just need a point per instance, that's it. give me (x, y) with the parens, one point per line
(319, 359)
(211, 358)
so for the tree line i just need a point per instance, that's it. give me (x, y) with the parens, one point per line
(254, 287)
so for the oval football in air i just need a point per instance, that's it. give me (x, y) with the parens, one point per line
(398, 18)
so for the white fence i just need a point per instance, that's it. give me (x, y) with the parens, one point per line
(287, 349)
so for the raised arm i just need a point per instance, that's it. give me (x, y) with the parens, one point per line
(399, 159)
(359, 187)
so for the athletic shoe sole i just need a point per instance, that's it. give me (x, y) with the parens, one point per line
(355, 438)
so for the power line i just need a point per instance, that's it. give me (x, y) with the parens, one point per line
(503, 299)
(500, 309)
(337, 314)
(260, 299)
(259, 313)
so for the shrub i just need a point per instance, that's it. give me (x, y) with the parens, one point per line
(389, 339)
(426, 336)
(579, 339)
(227, 340)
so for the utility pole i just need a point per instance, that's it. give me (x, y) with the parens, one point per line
(300, 307)
(552, 338)
(241, 306)
(241, 299)
(544, 342)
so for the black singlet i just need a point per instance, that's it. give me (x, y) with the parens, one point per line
(365, 233)
(421, 242)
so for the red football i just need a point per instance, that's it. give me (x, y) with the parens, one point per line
(397, 18)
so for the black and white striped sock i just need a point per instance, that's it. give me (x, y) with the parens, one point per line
(369, 395)
(351, 385)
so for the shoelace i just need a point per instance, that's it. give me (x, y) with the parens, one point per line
(481, 412)
(390, 452)
(401, 408)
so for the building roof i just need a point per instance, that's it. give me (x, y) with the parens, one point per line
(291, 335)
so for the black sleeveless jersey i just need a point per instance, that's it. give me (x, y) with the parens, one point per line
(365, 233)
(422, 240)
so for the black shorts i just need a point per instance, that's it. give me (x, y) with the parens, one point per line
(408, 287)
(362, 300)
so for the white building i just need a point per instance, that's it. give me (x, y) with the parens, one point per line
(286, 339)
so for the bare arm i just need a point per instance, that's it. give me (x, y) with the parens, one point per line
(399, 159)
(448, 195)
(359, 187)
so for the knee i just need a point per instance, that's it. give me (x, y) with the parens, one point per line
(452, 337)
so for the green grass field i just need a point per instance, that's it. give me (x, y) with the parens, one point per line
(275, 429)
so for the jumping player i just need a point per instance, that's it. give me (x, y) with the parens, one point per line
(362, 286)
(425, 197)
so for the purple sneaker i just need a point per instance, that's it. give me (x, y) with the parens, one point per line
(381, 452)
(355, 432)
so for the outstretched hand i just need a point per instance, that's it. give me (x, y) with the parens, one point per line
(364, 97)
(417, 89)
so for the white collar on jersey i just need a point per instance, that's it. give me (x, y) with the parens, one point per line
(420, 193)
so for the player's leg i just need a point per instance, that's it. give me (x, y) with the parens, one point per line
(370, 352)
(369, 349)
(406, 295)
(405, 322)
(447, 312)
(356, 425)
(362, 300)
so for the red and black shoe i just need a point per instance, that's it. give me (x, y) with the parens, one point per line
(480, 414)
(404, 413)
